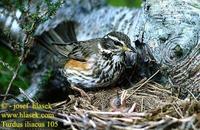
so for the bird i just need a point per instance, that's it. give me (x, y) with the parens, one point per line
(94, 63)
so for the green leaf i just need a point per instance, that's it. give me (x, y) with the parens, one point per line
(127, 3)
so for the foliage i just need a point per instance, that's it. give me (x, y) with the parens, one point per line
(29, 23)
(128, 3)
(8, 63)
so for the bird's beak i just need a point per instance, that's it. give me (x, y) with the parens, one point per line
(125, 48)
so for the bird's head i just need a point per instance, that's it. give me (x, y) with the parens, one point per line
(115, 42)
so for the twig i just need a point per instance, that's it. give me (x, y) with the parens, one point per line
(123, 97)
(71, 124)
(159, 88)
(132, 108)
(6, 65)
(82, 92)
(13, 78)
(142, 114)
(12, 96)
(26, 41)
(143, 84)
(24, 93)
(195, 98)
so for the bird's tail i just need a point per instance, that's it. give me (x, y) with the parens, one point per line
(57, 39)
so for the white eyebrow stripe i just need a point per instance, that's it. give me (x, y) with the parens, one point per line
(103, 50)
(115, 39)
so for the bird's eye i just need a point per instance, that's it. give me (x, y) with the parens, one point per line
(118, 43)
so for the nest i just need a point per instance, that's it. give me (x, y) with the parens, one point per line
(146, 105)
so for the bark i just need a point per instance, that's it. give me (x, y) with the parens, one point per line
(169, 27)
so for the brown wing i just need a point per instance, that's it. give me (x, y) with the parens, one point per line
(84, 50)
(80, 56)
